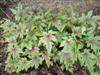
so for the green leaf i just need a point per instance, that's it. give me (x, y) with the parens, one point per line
(89, 14)
(95, 73)
(89, 59)
(47, 40)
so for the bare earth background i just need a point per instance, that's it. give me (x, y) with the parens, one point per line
(58, 5)
(80, 6)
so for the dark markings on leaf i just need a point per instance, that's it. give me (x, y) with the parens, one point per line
(67, 55)
(67, 43)
(35, 48)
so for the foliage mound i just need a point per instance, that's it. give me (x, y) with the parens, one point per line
(49, 38)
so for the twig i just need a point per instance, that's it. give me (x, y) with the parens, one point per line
(5, 13)
(58, 68)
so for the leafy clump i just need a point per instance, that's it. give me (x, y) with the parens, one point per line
(49, 38)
